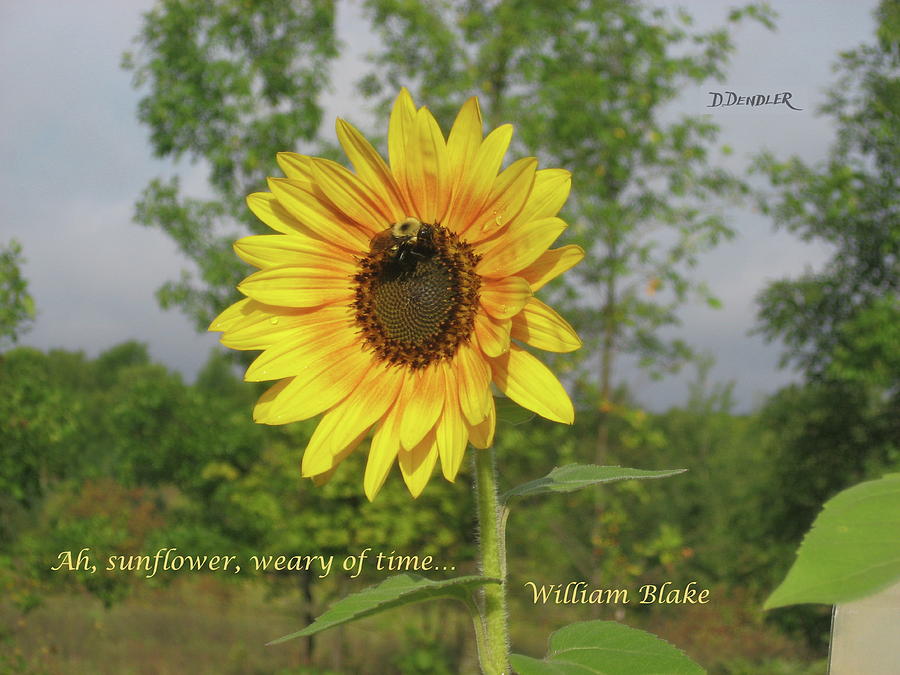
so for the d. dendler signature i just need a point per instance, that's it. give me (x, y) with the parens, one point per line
(729, 98)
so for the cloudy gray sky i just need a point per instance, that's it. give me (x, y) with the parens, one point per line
(73, 160)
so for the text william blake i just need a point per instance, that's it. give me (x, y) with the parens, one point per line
(580, 593)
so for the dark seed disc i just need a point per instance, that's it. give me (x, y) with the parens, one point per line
(416, 302)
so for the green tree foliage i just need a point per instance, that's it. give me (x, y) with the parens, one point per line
(826, 436)
(840, 322)
(120, 455)
(16, 304)
(701, 525)
(38, 422)
(713, 508)
(230, 84)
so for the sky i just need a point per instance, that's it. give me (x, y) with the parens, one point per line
(74, 159)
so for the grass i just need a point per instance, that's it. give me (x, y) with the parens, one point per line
(183, 628)
(203, 625)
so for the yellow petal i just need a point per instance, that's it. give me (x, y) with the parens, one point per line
(383, 452)
(464, 141)
(266, 207)
(540, 326)
(310, 221)
(371, 398)
(302, 348)
(517, 246)
(292, 286)
(316, 214)
(265, 250)
(504, 298)
(549, 193)
(319, 387)
(400, 129)
(261, 326)
(329, 444)
(473, 377)
(351, 196)
(482, 435)
(263, 407)
(530, 383)
(492, 334)
(450, 432)
(474, 186)
(295, 166)
(551, 264)
(508, 195)
(417, 465)
(427, 172)
(231, 316)
(372, 170)
(422, 404)
(321, 479)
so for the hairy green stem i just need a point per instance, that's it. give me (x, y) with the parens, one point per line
(495, 655)
(480, 635)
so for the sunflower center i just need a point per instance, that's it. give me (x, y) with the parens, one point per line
(416, 295)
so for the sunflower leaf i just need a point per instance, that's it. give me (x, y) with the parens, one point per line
(852, 550)
(403, 589)
(510, 412)
(607, 647)
(573, 477)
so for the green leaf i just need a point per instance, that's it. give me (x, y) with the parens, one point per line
(852, 550)
(510, 412)
(606, 647)
(577, 476)
(403, 589)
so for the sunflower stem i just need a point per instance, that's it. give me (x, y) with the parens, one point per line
(478, 623)
(495, 655)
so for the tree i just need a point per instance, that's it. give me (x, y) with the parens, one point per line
(16, 304)
(840, 324)
(230, 84)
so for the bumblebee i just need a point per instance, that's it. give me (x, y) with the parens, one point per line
(408, 240)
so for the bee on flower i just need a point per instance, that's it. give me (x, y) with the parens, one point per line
(392, 297)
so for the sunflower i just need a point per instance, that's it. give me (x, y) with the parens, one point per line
(391, 298)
